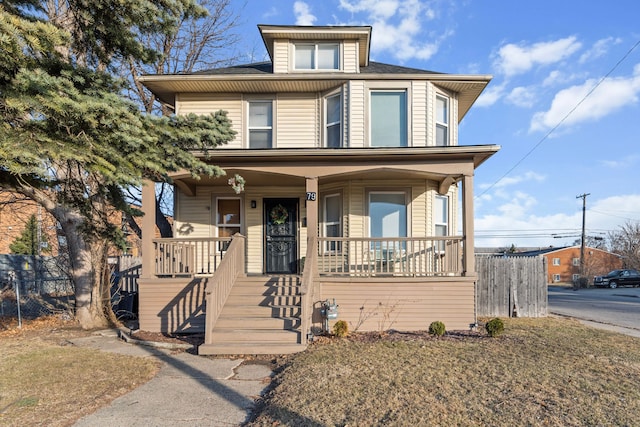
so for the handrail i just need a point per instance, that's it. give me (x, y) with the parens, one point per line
(219, 286)
(188, 256)
(308, 288)
(396, 256)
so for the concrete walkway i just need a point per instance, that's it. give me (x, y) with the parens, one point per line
(189, 390)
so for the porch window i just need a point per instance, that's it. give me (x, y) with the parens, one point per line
(388, 118)
(261, 124)
(332, 210)
(441, 219)
(442, 121)
(333, 117)
(317, 56)
(228, 217)
(387, 214)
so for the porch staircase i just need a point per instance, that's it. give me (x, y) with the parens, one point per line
(261, 316)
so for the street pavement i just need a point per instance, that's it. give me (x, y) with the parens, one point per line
(611, 309)
(189, 390)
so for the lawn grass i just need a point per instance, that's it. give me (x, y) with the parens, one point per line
(45, 381)
(550, 371)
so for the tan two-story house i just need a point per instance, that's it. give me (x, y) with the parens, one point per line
(356, 190)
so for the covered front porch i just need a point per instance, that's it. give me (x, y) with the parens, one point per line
(190, 282)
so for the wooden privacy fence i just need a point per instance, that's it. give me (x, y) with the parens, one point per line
(511, 286)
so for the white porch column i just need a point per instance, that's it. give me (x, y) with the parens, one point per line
(148, 227)
(312, 206)
(467, 226)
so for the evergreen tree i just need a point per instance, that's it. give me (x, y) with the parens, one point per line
(68, 139)
(30, 242)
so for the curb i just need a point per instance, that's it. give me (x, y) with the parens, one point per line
(165, 345)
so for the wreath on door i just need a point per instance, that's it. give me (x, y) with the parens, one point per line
(279, 215)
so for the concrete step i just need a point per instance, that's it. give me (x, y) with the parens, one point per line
(249, 348)
(232, 336)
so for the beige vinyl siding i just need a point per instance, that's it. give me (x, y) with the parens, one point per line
(418, 209)
(193, 214)
(419, 114)
(297, 121)
(350, 56)
(356, 120)
(403, 304)
(281, 55)
(206, 103)
(171, 305)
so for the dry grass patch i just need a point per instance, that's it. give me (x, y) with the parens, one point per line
(46, 381)
(553, 372)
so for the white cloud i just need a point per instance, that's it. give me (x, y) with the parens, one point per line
(303, 13)
(610, 96)
(517, 59)
(398, 27)
(599, 49)
(490, 96)
(621, 163)
(522, 97)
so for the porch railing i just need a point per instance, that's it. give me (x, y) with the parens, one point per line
(190, 256)
(309, 290)
(402, 256)
(220, 284)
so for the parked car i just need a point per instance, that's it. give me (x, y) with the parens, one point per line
(615, 278)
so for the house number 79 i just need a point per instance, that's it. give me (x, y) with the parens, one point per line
(311, 196)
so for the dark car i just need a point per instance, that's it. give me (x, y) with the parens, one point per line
(617, 278)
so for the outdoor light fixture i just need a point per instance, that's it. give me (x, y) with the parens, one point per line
(253, 204)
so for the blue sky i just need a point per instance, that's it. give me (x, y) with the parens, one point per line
(563, 103)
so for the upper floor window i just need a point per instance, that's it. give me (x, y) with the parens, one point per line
(317, 56)
(556, 261)
(261, 124)
(333, 118)
(388, 118)
(442, 121)
(576, 261)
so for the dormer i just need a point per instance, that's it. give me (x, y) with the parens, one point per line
(296, 49)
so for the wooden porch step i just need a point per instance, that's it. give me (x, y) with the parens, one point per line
(243, 322)
(262, 300)
(281, 336)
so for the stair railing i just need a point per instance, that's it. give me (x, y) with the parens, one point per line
(219, 286)
(309, 288)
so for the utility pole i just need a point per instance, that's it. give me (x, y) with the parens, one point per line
(583, 238)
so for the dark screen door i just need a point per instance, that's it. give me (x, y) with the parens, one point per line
(281, 236)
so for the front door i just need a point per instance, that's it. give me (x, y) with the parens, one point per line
(281, 230)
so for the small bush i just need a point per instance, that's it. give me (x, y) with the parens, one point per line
(340, 329)
(494, 327)
(437, 328)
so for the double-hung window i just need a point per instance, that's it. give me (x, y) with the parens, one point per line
(441, 219)
(333, 121)
(388, 118)
(261, 124)
(332, 210)
(576, 262)
(317, 56)
(442, 121)
(556, 261)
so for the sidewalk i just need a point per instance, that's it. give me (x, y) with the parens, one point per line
(189, 390)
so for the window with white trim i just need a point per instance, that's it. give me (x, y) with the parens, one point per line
(261, 124)
(442, 121)
(228, 217)
(576, 261)
(387, 214)
(332, 215)
(575, 277)
(317, 56)
(388, 121)
(556, 277)
(556, 261)
(333, 121)
(441, 219)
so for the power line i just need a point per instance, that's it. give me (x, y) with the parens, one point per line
(553, 129)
